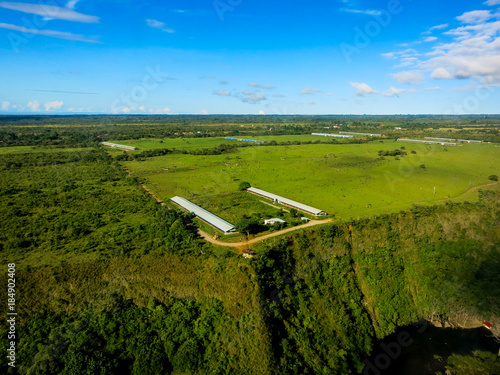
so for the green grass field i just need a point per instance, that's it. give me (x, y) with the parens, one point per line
(196, 143)
(346, 180)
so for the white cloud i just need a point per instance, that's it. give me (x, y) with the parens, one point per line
(430, 39)
(492, 2)
(161, 111)
(413, 76)
(252, 97)
(363, 89)
(221, 92)
(475, 16)
(255, 84)
(204, 112)
(34, 105)
(159, 25)
(50, 11)
(441, 73)
(312, 102)
(309, 91)
(49, 33)
(5, 106)
(437, 27)
(368, 12)
(393, 92)
(261, 112)
(71, 4)
(53, 105)
(472, 53)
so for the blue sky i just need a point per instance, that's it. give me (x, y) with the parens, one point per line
(250, 57)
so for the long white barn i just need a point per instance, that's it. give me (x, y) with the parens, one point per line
(114, 145)
(205, 215)
(332, 135)
(287, 202)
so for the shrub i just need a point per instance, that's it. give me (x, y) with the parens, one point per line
(244, 185)
(493, 177)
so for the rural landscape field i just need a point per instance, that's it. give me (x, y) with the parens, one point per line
(116, 278)
(233, 187)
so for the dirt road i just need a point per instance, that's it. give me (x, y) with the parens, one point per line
(244, 244)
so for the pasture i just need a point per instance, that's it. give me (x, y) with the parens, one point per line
(192, 143)
(345, 180)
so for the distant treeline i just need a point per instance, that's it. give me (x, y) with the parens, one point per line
(85, 131)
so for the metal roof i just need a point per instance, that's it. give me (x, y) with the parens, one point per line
(207, 216)
(288, 202)
(332, 135)
(119, 146)
(425, 141)
(371, 135)
(276, 220)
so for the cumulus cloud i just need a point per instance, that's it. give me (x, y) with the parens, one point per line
(221, 92)
(430, 39)
(159, 25)
(441, 73)
(363, 89)
(261, 112)
(53, 105)
(5, 106)
(255, 84)
(413, 76)
(492, 2)
(475, 16)
(49, 33)
(472, 53)
(34, 105)
(50, 11)
(309, 91)
(252, 97)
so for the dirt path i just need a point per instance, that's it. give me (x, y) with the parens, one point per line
(244, 244)
(467, 191)
(147, 189)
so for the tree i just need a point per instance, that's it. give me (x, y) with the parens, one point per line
(244, 185)
(422, 166)
(294, 212)
(248, 225)
(493, 177)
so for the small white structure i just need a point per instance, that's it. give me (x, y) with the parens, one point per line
(305, 219)
(274, 221)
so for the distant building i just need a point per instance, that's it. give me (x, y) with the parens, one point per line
(305, 219)
(205, 215)
(287, 202)
(114, 145)
(274, 221)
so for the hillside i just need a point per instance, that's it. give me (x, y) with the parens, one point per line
(109, 281)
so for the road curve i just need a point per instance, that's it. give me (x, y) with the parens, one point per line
(209, 238)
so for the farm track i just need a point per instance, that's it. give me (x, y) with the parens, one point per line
(244, 244)
(147, 189)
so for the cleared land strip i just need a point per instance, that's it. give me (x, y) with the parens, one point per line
(312, 223)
